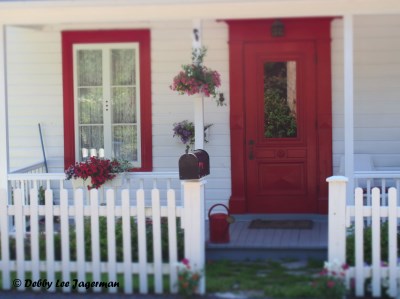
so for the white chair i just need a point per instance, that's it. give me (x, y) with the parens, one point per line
(362, 162)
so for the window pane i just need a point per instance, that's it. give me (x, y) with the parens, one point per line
(91, 137)
(123, 67)
(280, 107)
(90, 101)
(125, 142)
(123, 105)
(89, 68)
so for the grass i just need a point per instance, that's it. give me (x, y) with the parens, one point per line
(267, 278)
(272, 278)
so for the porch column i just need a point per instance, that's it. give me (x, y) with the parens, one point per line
(4, 159)
(337, 219)
(198, 101)
(194, 225)
(348, 34)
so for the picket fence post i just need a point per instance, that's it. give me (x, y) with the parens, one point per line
(392, 230)
(4, 230)
(194, 225)
(337, 219)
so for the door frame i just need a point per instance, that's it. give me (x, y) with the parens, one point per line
(298, 29)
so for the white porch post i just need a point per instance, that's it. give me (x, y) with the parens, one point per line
(348, 34)
(194, 225)
(4, 159)
(337, 219)
(198, 101)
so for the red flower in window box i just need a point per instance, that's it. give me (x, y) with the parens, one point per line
(99, 170)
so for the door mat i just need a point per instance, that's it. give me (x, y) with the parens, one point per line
(281, 224)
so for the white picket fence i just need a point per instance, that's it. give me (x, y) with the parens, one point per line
(75, 271)
(365, 213)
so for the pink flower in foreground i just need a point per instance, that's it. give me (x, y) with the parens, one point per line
(330, 284)
(185, 261)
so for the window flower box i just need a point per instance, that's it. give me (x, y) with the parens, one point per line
(81, 183)
(97, 172)
(117, 181)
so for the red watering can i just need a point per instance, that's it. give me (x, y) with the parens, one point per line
(219, 225)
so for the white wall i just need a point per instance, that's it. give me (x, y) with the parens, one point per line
(377, 90)
(35, 95)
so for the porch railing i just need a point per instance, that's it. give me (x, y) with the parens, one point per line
(383, 180)
(33, 169)
(38, 167)
(133, 181)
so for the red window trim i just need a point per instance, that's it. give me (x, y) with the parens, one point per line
(69, 38)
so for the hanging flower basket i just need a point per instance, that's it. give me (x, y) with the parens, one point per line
(195, 78)
(184, 130)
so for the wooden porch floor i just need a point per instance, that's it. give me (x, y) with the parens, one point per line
(253, 244)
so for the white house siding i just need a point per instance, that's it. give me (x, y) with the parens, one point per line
(376, 90)
(34, 69)
(34, 79)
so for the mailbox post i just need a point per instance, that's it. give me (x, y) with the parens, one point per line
(193, 167)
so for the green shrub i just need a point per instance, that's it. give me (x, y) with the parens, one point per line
(103, 241)
(279, 120)
(350, 244)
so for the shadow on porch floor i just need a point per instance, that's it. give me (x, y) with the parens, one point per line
(253, 244)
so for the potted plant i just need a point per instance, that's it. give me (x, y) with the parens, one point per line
(95, 172)
(195, 78)
(185, 131)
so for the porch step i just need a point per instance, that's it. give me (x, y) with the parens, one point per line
(254, 244)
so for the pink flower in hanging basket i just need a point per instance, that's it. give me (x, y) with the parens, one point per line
(196, 78)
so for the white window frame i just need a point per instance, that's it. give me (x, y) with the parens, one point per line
(106, 61)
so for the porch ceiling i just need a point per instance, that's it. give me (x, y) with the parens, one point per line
(71, 12)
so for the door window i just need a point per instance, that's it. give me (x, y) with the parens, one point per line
(280, 105)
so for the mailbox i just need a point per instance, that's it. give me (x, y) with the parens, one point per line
(194, 165)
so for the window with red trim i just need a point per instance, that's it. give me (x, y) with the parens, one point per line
(107, 95)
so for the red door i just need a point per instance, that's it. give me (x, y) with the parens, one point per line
(280, 127)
